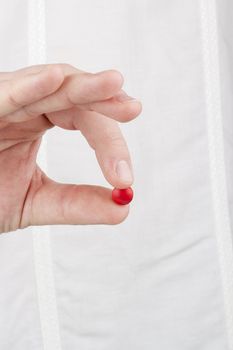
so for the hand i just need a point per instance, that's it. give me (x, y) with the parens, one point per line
(35, 99)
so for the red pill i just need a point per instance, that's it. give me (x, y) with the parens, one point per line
(122, 196)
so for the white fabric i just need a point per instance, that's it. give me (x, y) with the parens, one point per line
(211, 65)
(43, 260)
(155, 281)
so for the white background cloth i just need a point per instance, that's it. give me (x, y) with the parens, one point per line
(155, 280)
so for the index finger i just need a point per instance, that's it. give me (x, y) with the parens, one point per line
(104, 136)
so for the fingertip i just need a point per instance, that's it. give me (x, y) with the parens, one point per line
(133, 109)
(114, 180)
(112, 83)
(106, 211)
(55, 73)
(121, 184)
(118, 213)
(117, 77)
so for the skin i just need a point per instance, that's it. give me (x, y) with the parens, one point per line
(37, 98)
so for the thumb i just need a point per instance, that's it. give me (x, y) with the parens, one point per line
(69, 204)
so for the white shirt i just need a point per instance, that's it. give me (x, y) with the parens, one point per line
(162, 279)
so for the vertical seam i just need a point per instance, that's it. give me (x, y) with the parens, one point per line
(42, 253)
(209, 29)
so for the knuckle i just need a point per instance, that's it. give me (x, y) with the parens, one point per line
(65, 65)
(115, 139)
(12, 96)
(69, 66)
(69, 98)
(107, 141)
(89, 106)
(29, 112)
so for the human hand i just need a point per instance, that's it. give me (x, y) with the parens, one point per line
(35, 99)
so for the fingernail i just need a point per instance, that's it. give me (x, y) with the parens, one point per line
(122, 97)
(123, 171)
